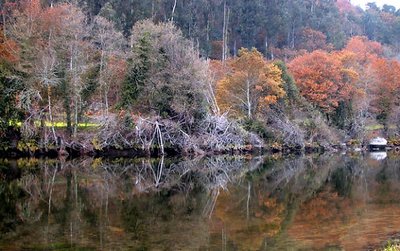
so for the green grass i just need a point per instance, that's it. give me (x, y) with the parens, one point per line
(378, 127)
(392, 246)
(57, 124)
(374, 127)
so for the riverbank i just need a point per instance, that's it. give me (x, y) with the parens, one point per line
(74, 150)
(152, 137)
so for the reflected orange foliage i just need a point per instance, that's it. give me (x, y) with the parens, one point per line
(265, 219)
(322, 219)
(351, 223)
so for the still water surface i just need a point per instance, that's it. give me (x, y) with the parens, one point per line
(328, 202)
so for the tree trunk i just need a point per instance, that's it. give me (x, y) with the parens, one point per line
(75, 129)
(160, 138)
(248, 200)
(103, 85)
(226, 34)
(234, 49)
(208, 37)
(106, 100)
(223, 35)
(213, 99)
(293, 38)
(43, 130)
(67, 105)
(225, 51)
(248, 99)
(51, 113)
(173, 11)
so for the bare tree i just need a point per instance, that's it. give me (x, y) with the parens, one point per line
(47, 76)
(225, 51)
(362, 105)
(75, 32)
(110, 43)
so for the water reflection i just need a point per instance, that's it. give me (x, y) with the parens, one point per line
(378, 155)
(229, 203)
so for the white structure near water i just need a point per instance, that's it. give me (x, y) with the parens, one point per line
(378, 142)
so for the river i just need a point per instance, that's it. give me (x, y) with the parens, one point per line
(312, 202)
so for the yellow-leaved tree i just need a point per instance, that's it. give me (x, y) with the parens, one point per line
(250, 85)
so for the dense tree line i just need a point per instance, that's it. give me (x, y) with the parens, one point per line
(196, 75)
(275, 28)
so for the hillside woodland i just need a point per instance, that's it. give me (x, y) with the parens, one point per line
(196, 76)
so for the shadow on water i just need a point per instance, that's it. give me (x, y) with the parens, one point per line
(217, 203)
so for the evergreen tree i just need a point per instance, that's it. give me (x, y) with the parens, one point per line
(289, 85)
(137, 75)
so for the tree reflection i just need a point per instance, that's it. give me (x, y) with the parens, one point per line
(10, 194)
(244, 203)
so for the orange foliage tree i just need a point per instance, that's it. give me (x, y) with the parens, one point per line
(386, 86)
(312, 40)
(358, 55)
(345, 6)
(364, 48)
(251, 84)
(378, 83)
(323, 79)
(8, 48)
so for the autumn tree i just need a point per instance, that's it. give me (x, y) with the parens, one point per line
(30, 27)
(322, 79)
(26, 31)
(386, 87)
(312, 40)
(364, 48)
(8, 49)
(358, 55)
(251, 85)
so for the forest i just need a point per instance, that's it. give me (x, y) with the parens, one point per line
(196, 76)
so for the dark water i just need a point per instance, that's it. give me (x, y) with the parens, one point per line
(329, 202)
